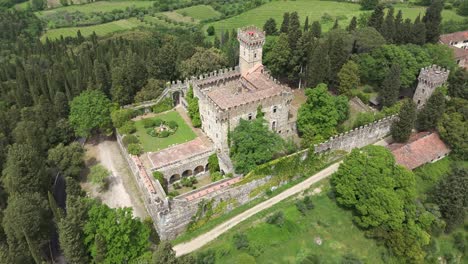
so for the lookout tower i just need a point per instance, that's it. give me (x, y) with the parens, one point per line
(429, 79)
(251, 40)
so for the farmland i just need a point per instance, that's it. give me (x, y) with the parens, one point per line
(101, 6)
(199, 12)
(314, 9)
(101, 30)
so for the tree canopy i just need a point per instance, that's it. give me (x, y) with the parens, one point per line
(90, 112)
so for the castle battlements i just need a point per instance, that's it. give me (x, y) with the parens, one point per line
(433, 76)
(251, 36)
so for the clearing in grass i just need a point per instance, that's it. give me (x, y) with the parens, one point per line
(326, 231)
(151, 144)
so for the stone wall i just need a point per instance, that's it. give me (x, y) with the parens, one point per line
(358, 137)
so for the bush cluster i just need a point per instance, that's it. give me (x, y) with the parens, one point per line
(151, 124)
(305, 205)
(188, 181)
(276, 219)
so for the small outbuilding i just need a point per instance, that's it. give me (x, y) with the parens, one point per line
(421, 148)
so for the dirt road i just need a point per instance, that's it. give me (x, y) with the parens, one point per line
(200, 241)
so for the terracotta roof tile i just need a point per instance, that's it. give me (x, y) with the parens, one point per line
(422, 148)
(457, 36)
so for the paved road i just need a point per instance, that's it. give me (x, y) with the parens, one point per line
(200, 241)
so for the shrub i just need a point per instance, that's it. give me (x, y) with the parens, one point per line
(188, 181)
(98, 176)
(241, 241)
(134, 149)
(148, 122)
(176, 185)
(229, 175)
(164, 134)
(216, 176)
(157, 122)
(130, 139)
(213, 163)
(301, 207)
(460, 242)
(206, 257)
(308, 203)
(173, 194)
(127, 128)
(172, 124)
(210, 30)
(121, 116)
(276, 219)
(165, 105)
(160, 177)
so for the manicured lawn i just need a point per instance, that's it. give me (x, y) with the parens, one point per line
(199, 12)
(295, 240)
(101, 6)
(101, 30)
(183, 134)
(312, 8)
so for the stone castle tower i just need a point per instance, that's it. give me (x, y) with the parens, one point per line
(429, 79)
(251, 41)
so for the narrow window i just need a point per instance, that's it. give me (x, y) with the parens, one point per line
(273, 125)
(274, 109)
(250, 116)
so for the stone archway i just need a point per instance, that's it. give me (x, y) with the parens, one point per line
(199, 169)
(174, 178)
(187, 173)
(176, 98)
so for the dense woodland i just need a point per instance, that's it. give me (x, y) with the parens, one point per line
(43, 106)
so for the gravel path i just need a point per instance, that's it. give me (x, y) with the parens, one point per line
(200, 241)
(122, 191)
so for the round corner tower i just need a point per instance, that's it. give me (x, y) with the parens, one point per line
(251, 40)
(429, 79)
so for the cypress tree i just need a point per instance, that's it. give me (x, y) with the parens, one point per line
(390, 86)
(319, 66)
(398, 28)
(306, 24)
(418, 32)
(336, 25)
(432, 19)
(352, 25)
(432, 112)
(285, 25)
(407, 32)
(401, 129)
(216, 42)
(388, 28)
(338, 56)
(316, 29)
(270, 27)
(377, 18)
(294, 30)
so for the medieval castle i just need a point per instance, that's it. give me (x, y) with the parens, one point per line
(226, 96)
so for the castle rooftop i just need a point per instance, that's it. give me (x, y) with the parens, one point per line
(253, 86)
(251, 35)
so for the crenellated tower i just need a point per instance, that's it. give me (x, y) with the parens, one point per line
(251, 40)
(429, 79)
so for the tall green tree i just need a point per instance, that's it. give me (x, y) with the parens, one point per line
(69, 160)
(285, 24)
(390, 86)
(349, 77)
(429, 116)
(401, 128)
(453, 127)
(90, 113)
(306, 24)
(369, 4)
(164, 254)
(418, 31)
(294, 30)
(122, 237)
(388, 27)
(376, 19)
(352, 24)
(319, 66)
(319, 117)
(270, 27)
(203, 61)
(253, 144)
(433, 19)
(316, 29)
(451, 196)
(278, 58)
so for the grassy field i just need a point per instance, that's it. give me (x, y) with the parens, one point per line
(312, 8)
(295, 240)
(101, 30)
(183, 134)
(101, 6)
(199, 12)
(180, 18)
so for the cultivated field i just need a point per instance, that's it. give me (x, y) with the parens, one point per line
(315, 9)
(183, 134)
(101, 6)
(101, 30)
(199, 12)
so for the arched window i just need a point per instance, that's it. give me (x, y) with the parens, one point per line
(275, 108)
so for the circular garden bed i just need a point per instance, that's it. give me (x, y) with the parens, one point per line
(160, 128)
